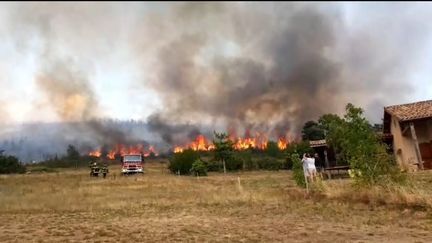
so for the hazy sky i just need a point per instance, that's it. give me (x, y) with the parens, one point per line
(112, 47)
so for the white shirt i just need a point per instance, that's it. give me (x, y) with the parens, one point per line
(310, 162)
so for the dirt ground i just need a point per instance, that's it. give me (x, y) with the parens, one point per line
(69, 206)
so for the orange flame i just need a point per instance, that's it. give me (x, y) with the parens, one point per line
(95, 153)
(178, 149)
(121, 150)
(200, 143)
(259, 141)
(282, 143)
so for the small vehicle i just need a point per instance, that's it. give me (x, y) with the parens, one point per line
(132, 163)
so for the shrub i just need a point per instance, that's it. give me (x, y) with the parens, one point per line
(272, 149)
(234, 163)
(10, 164)
(288, 165)
(269, 164)
(297, 169)
(248, 162)
(251, 165)
(182, 162)
(213, 165)
(199, 168)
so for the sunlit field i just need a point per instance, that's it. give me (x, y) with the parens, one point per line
(70, 206)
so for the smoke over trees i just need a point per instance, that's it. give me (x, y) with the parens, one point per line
(197, 67)
(272, 66)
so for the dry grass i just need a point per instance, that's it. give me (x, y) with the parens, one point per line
(69, 206)
(415, 195)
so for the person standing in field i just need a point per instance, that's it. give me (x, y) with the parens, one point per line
(309, 167)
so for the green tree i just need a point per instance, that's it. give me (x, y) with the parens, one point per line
(312, 131)
(333, 125)
(329, 120)
(356, 140)
(199, 168)
(223, 148)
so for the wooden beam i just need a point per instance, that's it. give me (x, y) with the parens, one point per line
(326, 163)
(405, 130)
(417, 148)
(326, 159)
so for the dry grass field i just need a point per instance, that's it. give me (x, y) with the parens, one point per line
(69, 206)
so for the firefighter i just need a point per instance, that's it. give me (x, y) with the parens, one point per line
(93, 166)
(104, 169)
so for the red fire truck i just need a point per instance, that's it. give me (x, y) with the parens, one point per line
(132, 163)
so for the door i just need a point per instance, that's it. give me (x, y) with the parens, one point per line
(426, 154)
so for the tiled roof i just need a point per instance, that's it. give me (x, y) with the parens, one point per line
(411, 111)
(318, 143)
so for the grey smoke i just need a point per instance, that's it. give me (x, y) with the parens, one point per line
(295, 62)
(63, 45)
(39, 141)
(219, 66)
(171, 133)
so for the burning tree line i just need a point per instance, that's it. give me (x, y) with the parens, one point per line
(121, 149)
(200, 143)
(259, 142)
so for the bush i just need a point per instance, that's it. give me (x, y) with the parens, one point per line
(10, 164)
(199, 168)
(182, 162)
(234, 163)
(269, 164)
(272, 150)
(248, 162)
(297, 168)
(251, 165)
(213, 165)
(288, 165)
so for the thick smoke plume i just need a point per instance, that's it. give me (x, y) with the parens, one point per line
(68, 91)
(265, 67)
(64, 51)
(273, 66)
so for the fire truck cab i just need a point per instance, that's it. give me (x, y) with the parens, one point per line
(132, 163)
